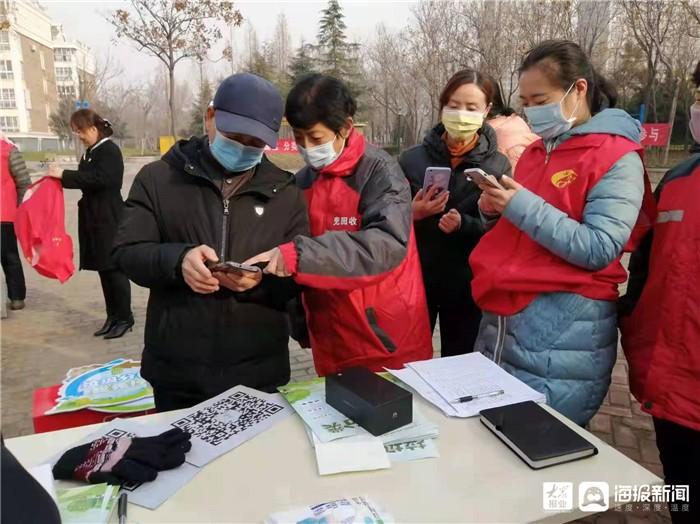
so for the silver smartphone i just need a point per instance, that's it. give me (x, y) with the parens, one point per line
(479, 176)
(438, 177)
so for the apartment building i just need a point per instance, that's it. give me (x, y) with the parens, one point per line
(38, 66)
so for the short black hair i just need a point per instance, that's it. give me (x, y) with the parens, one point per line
(319, 98)
(696, 75)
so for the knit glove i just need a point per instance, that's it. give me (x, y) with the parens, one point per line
(123, 459)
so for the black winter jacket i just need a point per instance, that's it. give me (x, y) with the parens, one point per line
(205, 344)
(444, 257)
(99, 176)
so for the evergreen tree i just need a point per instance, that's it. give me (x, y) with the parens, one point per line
(337, 56)
(332, 40)
(302, 63)
(199, 108)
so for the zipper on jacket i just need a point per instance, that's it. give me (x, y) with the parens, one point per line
(500, 340)
(224, 232)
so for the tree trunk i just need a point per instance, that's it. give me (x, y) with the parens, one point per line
(171, 99)
(672, 118)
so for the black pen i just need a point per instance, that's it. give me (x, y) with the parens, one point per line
(122, 507)
(469, 398)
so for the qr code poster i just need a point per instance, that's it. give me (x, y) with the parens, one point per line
(225, 422)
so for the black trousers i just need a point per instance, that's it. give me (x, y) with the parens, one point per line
(116, 289)
(459, 320)
(12, 263)
(679, 448)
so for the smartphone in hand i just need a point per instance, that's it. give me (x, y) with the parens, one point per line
(479, 176)
(438, 177)
(232, 267)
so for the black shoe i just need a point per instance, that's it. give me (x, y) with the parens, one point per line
(109, 323)
(119, 329)
(16, 305)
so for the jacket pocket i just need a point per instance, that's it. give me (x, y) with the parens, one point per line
(382, 335)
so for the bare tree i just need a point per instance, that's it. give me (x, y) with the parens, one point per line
(282, 45)
(651, 24)
(172, 30)
(593, 28)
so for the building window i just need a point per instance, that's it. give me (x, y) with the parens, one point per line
(6, 69)
(43, 62)
(7, 99)
(9, 123)
(64, 73)
(62, 54)
(66, 91)
(4, 40)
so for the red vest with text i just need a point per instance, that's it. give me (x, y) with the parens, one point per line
(8, 190)
(510, 269)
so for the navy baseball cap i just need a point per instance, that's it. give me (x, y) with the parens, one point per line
(248, 104)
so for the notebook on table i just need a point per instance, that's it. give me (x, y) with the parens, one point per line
(535, 435)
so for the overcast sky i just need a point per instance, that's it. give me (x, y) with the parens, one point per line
(84, 21)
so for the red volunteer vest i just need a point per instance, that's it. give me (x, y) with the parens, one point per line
(8, 189)
(340, 321)
(41, 230)
(510, 269)
(661, 337)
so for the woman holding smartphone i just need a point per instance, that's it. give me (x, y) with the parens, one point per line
(547, 274)
(447, 219)
(363, 293)
(99, 176)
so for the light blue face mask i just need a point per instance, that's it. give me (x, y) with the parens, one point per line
(548, 121)
(234, 156)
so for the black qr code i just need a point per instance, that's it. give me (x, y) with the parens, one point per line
(116, 433)
(227, 417)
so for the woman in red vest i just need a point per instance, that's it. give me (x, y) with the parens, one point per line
(15, 181)
(363, 290)
(546, 274)
(660, 325)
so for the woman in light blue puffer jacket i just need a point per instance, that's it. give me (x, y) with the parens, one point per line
(546, 274)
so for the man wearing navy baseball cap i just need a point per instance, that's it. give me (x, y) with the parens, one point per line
(210, 200)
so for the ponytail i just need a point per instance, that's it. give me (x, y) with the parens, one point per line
(564, 62)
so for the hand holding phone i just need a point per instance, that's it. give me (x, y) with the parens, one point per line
(438, 178)
(236, 277)
(233, 267)
(480, 177)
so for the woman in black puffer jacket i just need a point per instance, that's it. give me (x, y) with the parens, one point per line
(447, 225)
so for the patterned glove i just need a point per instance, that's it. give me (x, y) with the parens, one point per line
(124, 459)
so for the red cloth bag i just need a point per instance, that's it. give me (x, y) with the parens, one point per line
(41, 231)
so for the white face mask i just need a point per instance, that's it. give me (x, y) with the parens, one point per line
(320, 156)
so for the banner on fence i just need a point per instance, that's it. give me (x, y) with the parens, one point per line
(655, 135)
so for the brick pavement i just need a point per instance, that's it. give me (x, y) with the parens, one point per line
(54, 333)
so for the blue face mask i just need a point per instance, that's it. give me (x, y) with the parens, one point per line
(548, 121)
(234, 156)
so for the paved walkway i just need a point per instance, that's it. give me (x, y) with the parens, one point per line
(54, 334)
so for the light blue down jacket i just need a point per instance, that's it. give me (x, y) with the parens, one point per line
(563, 344)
